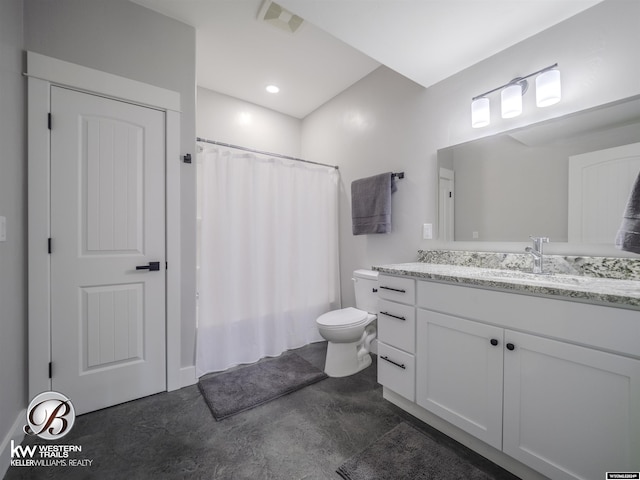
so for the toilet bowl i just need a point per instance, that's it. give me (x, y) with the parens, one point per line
(350, 331)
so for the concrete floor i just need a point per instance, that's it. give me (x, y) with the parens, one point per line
(303, 435)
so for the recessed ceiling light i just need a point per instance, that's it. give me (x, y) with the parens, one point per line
(272, 89)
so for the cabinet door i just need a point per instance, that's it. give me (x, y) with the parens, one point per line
(570, 412)
(459, 373)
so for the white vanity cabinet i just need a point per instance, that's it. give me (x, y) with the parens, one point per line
(507, 369)
(396, 334)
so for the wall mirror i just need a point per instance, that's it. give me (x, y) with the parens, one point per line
(567, 178)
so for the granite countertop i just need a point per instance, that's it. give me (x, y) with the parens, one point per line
(613, 292)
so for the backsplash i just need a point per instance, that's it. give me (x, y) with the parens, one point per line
(602, 267)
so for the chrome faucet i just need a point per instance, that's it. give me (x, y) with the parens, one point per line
(536, 253)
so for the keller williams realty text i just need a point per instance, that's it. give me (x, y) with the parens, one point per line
(52, 462)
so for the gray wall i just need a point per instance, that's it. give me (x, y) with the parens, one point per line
(386, 122)
(377, 125)
(125, 39)
(230, 120)
(13, 197)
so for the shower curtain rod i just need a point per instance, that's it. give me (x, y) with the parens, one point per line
(247, 149)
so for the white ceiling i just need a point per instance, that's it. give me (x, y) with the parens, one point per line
(340, 42)
(239, 55)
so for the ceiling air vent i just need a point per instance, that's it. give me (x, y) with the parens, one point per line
(278, 16)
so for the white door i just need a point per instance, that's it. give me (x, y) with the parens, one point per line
(570, 412)
(446, 204)
(599, 185)
(459, 373)
(107, 219)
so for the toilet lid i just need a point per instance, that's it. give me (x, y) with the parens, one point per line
(345, 317)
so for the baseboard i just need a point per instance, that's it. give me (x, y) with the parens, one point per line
(188, 376)
(16, 434)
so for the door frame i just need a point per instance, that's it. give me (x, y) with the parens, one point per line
(42, 73)
(446, 208)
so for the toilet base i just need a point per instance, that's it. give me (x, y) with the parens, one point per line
(343, 359)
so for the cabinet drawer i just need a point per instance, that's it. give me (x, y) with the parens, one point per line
(396, 370)
(397, 325)
(397, 289)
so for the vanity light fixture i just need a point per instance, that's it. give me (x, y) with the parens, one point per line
(548, 92)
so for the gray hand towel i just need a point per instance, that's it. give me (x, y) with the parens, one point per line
(371, 204)
(628, 237)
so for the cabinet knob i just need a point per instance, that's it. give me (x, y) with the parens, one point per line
(511, 346)
(494, 341)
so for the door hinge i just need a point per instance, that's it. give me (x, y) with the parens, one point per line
(450, 195)
(166, 265)
(49, 121)
(50, 370)
(49, 245)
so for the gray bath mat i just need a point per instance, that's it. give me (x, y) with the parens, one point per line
(405, 453)
(248, 387)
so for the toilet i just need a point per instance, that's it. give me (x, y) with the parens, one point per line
(350, 331)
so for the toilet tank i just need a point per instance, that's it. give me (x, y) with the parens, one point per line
(366, 285)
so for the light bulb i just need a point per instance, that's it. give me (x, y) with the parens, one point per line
(548, 89)
(511, 101)
(480, 112)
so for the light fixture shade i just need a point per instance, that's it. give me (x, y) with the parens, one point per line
(511, 101)
(548, 90)
(480, 112)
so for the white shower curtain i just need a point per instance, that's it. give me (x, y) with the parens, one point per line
(268, 256)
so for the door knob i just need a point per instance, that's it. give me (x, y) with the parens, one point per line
(152, 267)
